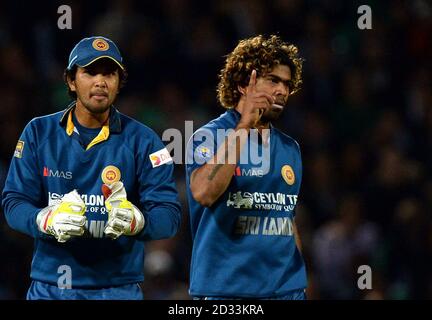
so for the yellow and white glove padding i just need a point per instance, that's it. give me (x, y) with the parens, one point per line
(123, 216)
(64, 219)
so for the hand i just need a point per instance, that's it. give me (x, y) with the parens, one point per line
(123, 216)
(65, 219)
(255, 103)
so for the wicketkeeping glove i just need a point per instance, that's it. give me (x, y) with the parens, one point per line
(64, 219)
(123, 216)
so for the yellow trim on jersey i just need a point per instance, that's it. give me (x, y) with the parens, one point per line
(102, 136)
(69, 125)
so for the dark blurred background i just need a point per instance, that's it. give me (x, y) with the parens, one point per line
(363, 121)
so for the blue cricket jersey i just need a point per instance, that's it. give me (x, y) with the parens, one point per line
(50, 161)
(243, 245)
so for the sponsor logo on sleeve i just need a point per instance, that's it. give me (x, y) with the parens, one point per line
(204, 152)
(160, 157)
(19, 149)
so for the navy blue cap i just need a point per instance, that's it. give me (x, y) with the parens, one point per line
(91, 49)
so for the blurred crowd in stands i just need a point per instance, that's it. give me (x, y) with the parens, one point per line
(363, 120)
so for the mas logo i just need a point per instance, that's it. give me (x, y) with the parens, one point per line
(288, 174)
(100, 45)
(251, 172)
(47, 172)
(19, 149)
(111, 174)
(160, 157)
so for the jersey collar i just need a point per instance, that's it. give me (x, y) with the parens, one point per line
(113, 125)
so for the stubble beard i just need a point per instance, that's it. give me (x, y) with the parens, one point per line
(96, 108)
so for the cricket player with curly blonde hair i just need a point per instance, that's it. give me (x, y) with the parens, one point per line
(245, 240)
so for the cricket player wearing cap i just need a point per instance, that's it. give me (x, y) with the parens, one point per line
(90, 185)
(245, 240)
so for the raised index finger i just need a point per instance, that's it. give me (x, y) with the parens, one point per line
(252, 80)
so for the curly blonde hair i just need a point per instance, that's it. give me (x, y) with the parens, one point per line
(261, 54)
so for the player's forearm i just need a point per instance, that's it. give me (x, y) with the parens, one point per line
(210, 181)
(21, 215)
(161, 222)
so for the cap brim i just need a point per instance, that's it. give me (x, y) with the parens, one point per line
(109, 57)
